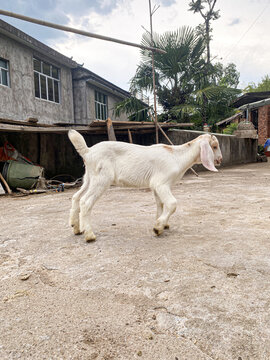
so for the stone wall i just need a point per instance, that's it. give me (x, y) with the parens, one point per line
(234, 150)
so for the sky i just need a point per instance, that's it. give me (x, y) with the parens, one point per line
(240, 35)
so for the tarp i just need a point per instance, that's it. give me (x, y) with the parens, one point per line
(8, 152)
(267, 145)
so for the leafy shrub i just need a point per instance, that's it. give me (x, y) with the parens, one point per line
(230, 129)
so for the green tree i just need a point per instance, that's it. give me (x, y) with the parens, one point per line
(206, 10)
(174, 70)
(134, 108)
(184, 90)
(263, 85)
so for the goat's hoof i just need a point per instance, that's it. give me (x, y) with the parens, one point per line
(90, 237)
(166, 227)
(76, 230)
(157, 231)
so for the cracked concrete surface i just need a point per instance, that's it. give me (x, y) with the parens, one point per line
(201, 291)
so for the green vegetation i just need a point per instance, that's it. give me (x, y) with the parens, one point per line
(263, 85)
(230, 129)
(189, 86)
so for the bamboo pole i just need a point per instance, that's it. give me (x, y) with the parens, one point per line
(153, 72)
(130, 137)
(77, 31)
(169, 140)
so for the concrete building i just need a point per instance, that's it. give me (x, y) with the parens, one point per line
(39, 82)
(94, 97)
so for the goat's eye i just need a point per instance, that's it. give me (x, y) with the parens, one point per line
(215, 147)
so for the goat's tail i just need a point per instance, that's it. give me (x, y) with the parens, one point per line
(78, 142)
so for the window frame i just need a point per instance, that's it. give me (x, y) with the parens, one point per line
(41, 92)
(2, 69)
(101, 107)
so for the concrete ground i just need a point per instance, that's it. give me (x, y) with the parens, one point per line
(200, 291)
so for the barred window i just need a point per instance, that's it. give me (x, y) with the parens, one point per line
(47, 81)
(101, 106)
(4, 72)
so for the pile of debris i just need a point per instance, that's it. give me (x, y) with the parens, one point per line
(19, 174)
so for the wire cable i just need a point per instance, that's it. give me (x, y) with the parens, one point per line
(250, 27)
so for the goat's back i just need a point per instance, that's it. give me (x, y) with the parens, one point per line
(130, 164)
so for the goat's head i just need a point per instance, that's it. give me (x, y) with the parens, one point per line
(210, 154)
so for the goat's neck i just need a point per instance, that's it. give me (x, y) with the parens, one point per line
(187, 155)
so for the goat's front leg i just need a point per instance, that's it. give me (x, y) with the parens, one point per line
(74, 217)
(97, 187)
(159, 209)
(169, 207)
(159, 205)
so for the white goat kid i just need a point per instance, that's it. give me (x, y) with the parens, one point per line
(157, 167)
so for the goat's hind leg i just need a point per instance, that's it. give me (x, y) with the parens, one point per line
(98, 185)
(74, 217)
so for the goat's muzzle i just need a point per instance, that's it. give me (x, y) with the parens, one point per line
(218, 160)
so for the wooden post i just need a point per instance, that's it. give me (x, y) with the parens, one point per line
(110, 130)
(169, 140)
(6, 184)
(130, 136)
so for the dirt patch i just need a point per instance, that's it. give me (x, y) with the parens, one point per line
(200, 291)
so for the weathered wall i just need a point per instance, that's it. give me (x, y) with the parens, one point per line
(234, 150)
(263, 124)
(80, 102)
(57, 155)
(84, 103)
(18, 101)
(112, 100)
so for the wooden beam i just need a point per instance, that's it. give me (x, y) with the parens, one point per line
(110, 130)
(22, 127)
(22, 122)
(39, 129)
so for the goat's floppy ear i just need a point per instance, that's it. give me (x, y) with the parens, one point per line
(207, 156)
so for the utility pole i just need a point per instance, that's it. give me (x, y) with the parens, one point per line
(151, 12)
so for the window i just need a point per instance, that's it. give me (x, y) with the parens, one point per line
(4, 72)
(47, 81)
(101, 106)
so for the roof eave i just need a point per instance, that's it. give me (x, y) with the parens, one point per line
(27, 40)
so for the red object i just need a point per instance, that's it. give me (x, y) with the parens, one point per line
(8, 152)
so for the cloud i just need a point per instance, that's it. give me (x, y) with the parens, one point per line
(235, 21)
(123, 19)
(167, 3)
(58, 12)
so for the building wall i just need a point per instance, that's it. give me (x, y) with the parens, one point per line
(234, 150)
(112, 100)
(18, 101)
(80, 102)
(264, 124)
(84, 103)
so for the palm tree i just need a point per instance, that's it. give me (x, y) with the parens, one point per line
(173, 70)
(183, 87)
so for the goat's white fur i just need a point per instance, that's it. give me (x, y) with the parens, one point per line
(117, 163)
